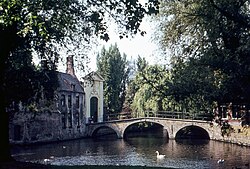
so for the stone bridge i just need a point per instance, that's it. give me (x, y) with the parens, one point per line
(171, 126)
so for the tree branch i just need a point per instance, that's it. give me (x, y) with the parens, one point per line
(236, 18)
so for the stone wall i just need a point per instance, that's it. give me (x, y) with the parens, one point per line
(238, 135)
(37, 127)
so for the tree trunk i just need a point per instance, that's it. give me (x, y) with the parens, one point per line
(4, 117)
(8, 42)
(4, 130)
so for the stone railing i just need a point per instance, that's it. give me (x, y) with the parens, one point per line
(159, 114)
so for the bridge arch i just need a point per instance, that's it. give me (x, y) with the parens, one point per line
(158, 129)
(105, 126)
(166, 129)
(192, 131)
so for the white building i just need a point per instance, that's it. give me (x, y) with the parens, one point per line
(93, 87)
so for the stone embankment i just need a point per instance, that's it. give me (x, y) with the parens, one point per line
(236, 135)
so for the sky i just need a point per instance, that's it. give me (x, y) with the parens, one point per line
(144, 46)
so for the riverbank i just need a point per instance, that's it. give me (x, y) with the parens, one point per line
(27, 165)
(236, 135)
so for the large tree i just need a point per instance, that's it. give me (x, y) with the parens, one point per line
(209, 40)
(114, 68)
(151, 84)
(182, 87)
(24, 82)
(45, 25)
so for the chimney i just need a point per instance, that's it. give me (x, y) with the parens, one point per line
(70, 66)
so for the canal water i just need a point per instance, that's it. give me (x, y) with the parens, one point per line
(140, 150)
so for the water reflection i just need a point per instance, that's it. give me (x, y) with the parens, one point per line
(137, 151)
(192, 141)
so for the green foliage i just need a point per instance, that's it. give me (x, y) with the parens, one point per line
(150, 88)
(192, 82)
(47, 20)
(114, 69)
(133, 86)
(209, 41)
(26, 83)
(226, 129)
(184, 87)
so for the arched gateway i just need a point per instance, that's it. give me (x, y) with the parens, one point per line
(172, 126)
(93, 88)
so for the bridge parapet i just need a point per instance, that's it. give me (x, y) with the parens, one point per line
(160, 114)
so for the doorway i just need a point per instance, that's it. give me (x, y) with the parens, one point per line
(94, 109)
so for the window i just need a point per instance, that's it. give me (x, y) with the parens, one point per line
(70, 123)
(77, 101)
(69, 101)
(17, 132)
(73, 87)
(63, 100)
(64, 120)
(78, 119)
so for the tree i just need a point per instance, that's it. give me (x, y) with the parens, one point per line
(26, 82)
(194, 85)
(151, 87)
(185, 86)
(46, 25)
(115, 70)
(133, 87)
(209, 41)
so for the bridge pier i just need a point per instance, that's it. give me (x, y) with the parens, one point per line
(119, 135)
(171, 136)
(166, 133)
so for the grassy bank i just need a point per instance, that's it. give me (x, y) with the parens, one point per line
(24, 165)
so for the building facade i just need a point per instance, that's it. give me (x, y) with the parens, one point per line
(93, 85)
(66, 117)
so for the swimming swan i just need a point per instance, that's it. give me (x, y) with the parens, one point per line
(159, 156)
(220, 161)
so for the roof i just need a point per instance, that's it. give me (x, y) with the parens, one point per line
(69, 83)
(94, 76)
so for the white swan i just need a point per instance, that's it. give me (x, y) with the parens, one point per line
(220, 161)
(46, 161)
(159, 156)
